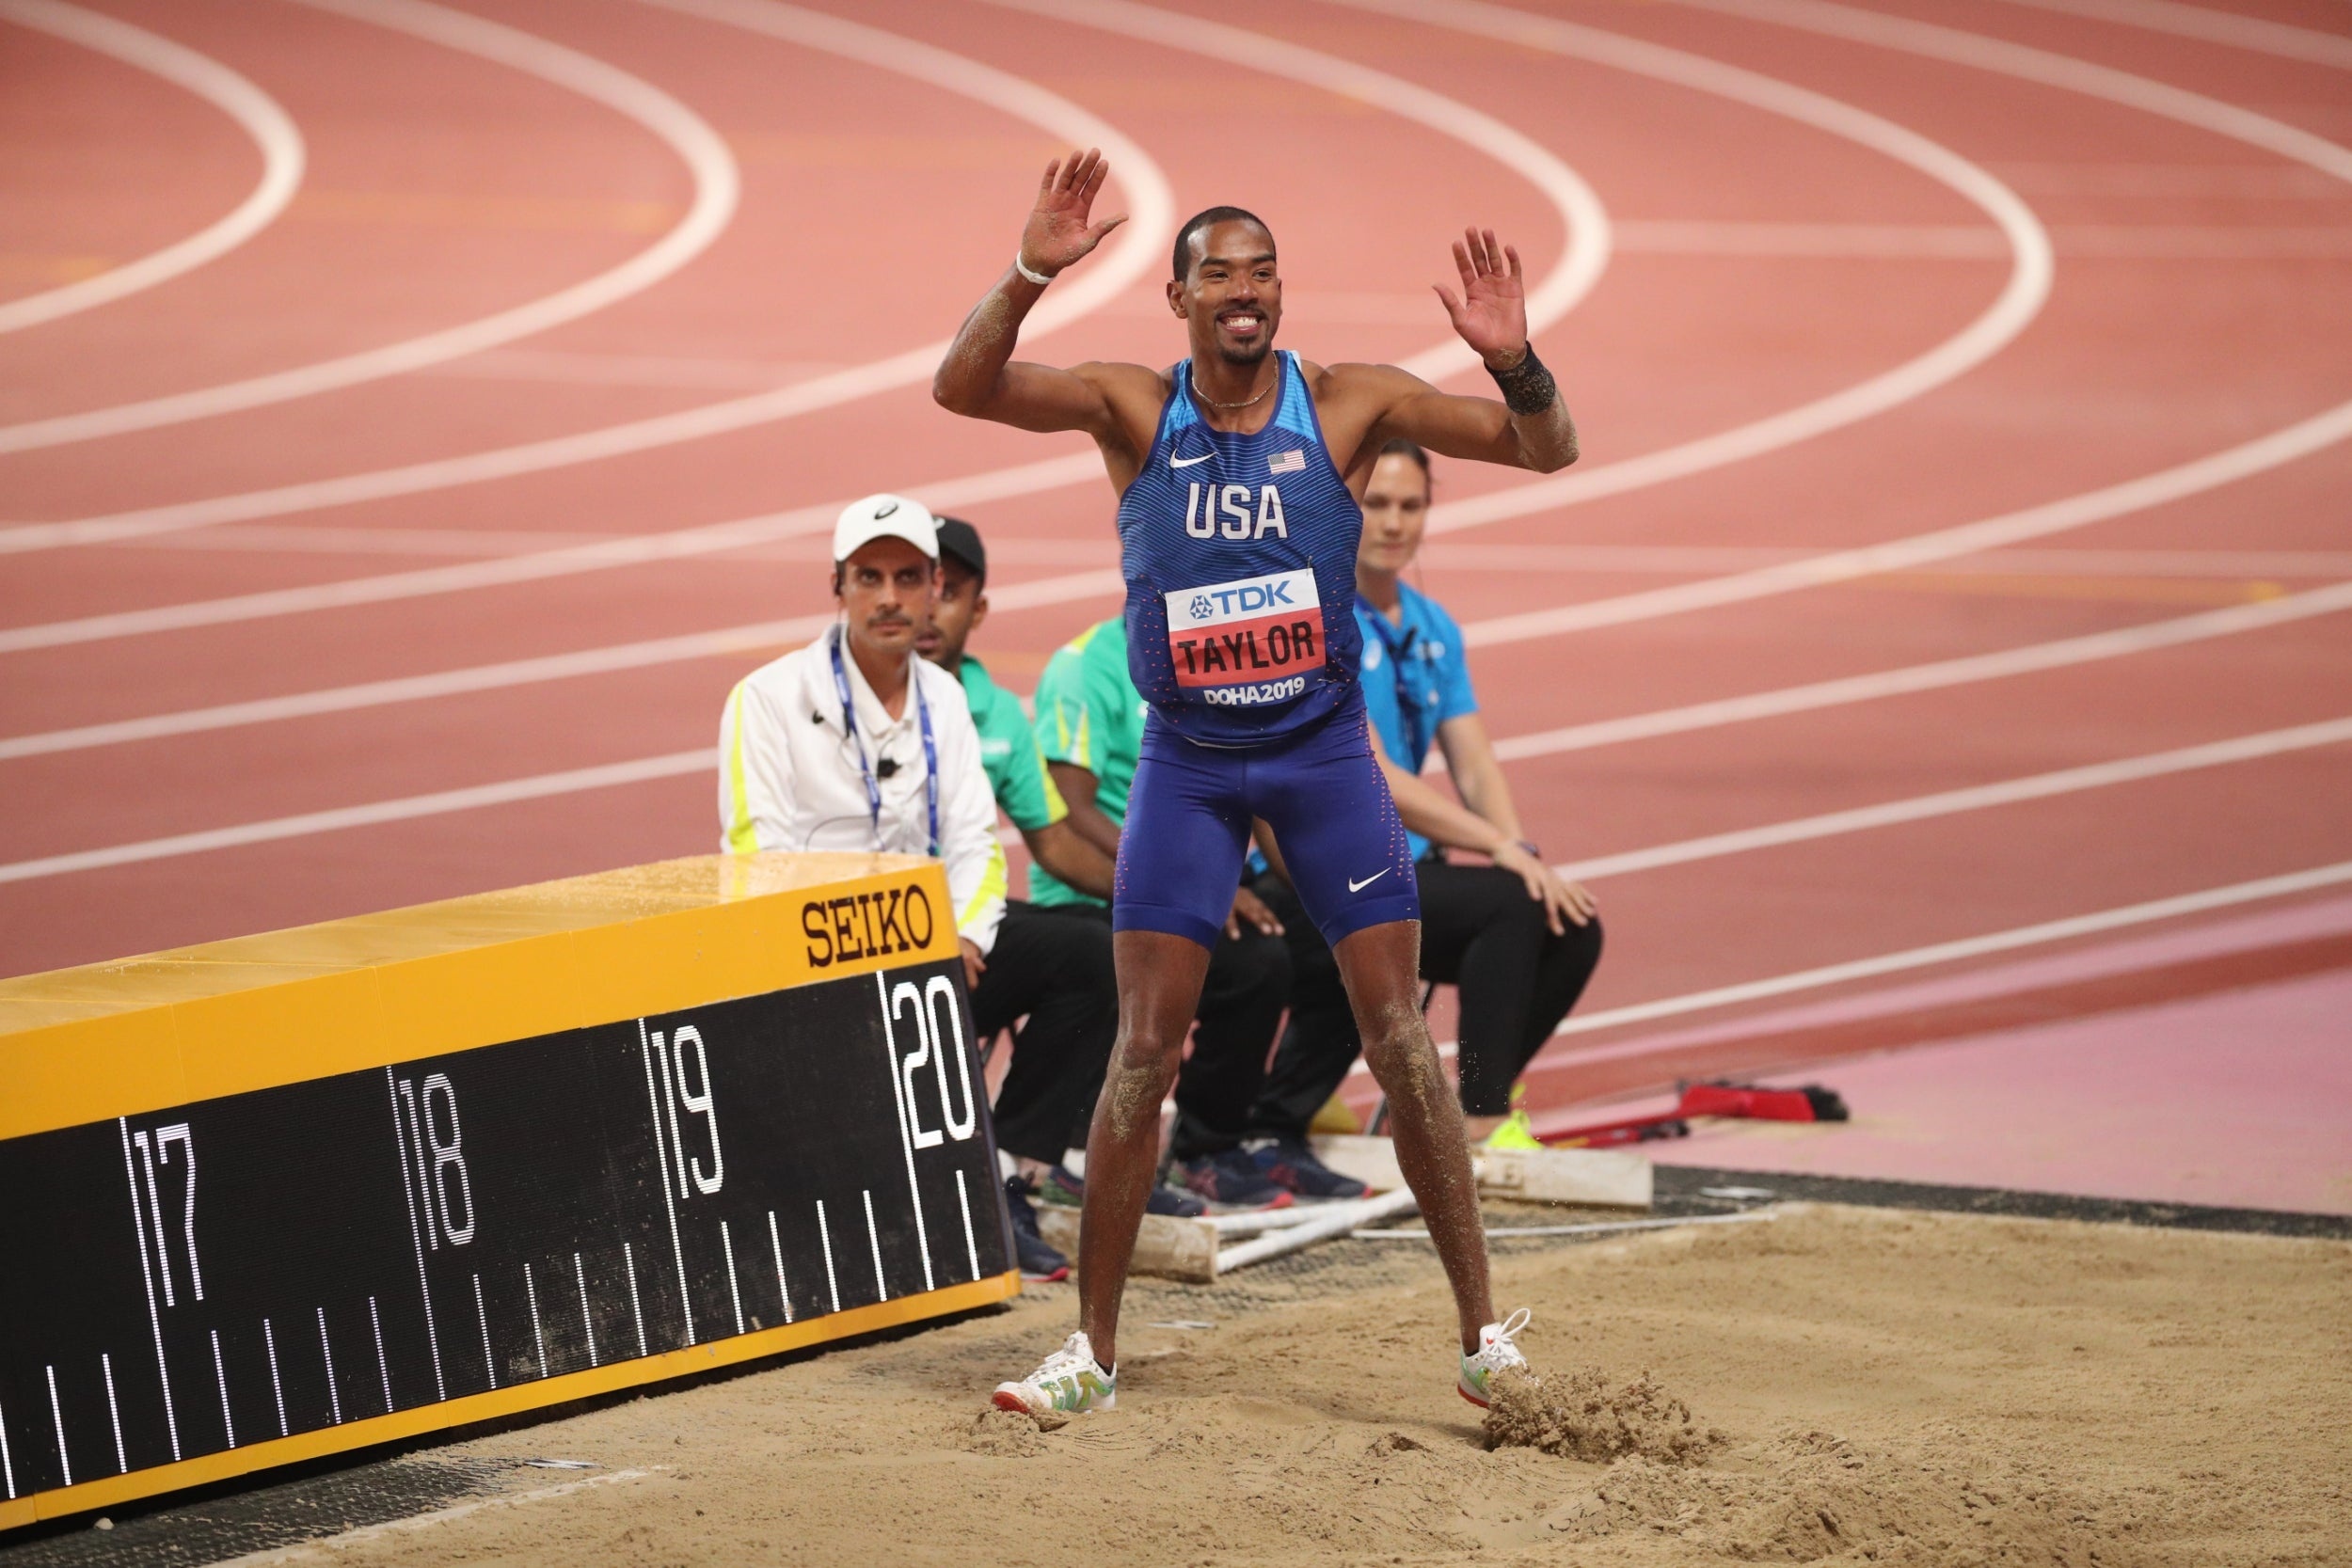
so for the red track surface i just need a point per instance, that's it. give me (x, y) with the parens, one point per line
(2203, 297)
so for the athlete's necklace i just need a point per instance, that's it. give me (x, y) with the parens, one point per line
(1246, 402)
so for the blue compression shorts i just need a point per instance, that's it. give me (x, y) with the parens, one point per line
(1187, 828)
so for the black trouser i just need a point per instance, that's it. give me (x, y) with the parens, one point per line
(1480, 931)
(1054, 967)
(1240, 1006)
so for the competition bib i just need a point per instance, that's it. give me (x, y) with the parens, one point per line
(1255, 640)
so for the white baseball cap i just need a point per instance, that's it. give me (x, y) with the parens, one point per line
(884, 517)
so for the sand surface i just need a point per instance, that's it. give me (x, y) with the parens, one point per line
(1876, 1386)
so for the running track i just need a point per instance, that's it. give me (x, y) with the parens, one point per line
(1958, 559)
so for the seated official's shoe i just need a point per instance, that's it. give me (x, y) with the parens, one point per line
(1515, 1132)
(1497, 1353)
(1064, 1189)
(1038, 1261)
(1289, 1164)
(1070, 1382)
(1228, 1182)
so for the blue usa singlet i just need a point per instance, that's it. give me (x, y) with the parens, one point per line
(1239, 553)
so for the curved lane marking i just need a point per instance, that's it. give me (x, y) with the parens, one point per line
(1934, 675)
(1129, 255)
(2210, 27)
(1580, 266)
(2066, 73)
(2020, 300)
(1952, 802)
(2013, 940)
(272, 129)
(2036, 787)
(1582, 259)
(707, 158)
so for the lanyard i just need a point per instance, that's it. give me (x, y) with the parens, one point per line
(865, 771)
(1399, 643)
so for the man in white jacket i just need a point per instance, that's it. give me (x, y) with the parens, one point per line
(854, 743)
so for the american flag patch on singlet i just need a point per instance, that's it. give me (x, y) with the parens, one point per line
(1291, 462)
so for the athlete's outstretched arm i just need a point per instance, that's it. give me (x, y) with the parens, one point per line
(1530, 427)
(979, 376)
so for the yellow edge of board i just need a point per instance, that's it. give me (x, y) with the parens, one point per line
(343, 996)
(466, 1409)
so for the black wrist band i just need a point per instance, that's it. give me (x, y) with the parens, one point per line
(1527, 386)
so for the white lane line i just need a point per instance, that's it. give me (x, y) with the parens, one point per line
(1688, 561)
(2028, 282)
(2039, 934)
(2210, 27)
(539, 787)
(272, 129)
(2253, 457)
(1130, 255)
(1934, 675)
(2020, 299)
(707, 158)
(1951, 803)
(1581, 260)
(703, 760)
(2061, 72)
(767, 635)
(2135, 957)
(1974, 241)
(760, 635)
(625, 550)
(1746, 237)
(1578, 269)
(2025, 285)
(1938, 953)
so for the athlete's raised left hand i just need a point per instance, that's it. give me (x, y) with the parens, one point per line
(1058, 232)
(1491, 313)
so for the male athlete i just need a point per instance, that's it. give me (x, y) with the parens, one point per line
(1239, 472)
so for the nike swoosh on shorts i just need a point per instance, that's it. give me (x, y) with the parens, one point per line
(1176, 461)
(1354, 886)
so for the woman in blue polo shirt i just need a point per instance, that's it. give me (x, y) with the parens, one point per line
(1518, 942)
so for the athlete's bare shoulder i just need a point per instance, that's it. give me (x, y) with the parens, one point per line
(1128, 388)
(1352, 399)
(1132, 397)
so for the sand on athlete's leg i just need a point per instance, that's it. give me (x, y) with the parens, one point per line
(1159, 988)
(1381, 968)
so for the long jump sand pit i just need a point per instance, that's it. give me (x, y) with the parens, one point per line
(1863, 1386)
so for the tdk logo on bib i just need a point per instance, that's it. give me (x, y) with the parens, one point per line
(1250, 641)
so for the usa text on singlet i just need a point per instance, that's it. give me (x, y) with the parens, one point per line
(1239, 553)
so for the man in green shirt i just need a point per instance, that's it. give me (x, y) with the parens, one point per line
(1052, 967)
(1090, 721)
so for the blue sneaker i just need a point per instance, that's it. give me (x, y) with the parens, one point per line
(1039, 1262)
(1229, 1181)
(1065, 1189)
(1289, 1164)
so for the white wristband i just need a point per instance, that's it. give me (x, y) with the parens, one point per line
(1039, 279)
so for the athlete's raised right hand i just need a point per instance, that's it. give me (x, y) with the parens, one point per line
(1058, 232)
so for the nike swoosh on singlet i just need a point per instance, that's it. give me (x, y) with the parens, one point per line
(1354, 886)
(1176, 461)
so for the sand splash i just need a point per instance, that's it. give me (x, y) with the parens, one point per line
(1577, 1415)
